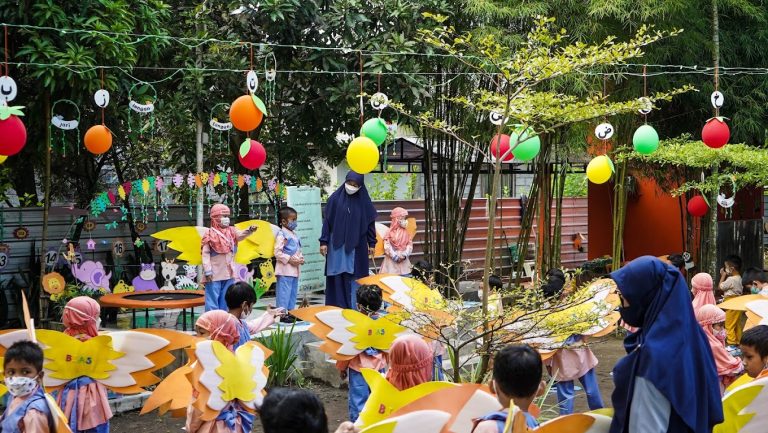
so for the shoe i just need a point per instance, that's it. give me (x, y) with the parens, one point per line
(734, 350)
(288, 319)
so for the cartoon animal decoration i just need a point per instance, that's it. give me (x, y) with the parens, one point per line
(145, 281)
(191, 271)
(122, 287)
(168, 272)
(243, 274)
(267, 273)
(92, 275)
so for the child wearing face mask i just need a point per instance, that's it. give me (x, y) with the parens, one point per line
(83, 400)
(711, 319)
(289, 260)
(754, 351)
(28, 410)
(398, 245)
(240, 299)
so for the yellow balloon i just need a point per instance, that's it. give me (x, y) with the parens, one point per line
(362, 155)
(599, 169)
(3, 158)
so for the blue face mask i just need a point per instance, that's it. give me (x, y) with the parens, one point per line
(291, 225)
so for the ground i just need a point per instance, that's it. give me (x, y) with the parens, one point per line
(607, 351)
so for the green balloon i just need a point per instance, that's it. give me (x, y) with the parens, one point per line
(528, 147)
(375, 129)
(645, 140)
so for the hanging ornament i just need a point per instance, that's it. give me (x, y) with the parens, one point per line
(13, 133)
(98, 138)
(379, 101)
(646, 105)
(698, 206)
(362, 155)
(716, 133)
(58, 121)
(717, 99)
(728, 202)
(220, 131)
(252, 154)
(244, 114)
(500, 146)
(497, 118)
(375, 129)
(5, 251)
(91, 244)
(528, 143)
(141, 99)
(604, 131)
(21, 233)
(645, 140)
(178, 180)
(600, 169)
(270, 74)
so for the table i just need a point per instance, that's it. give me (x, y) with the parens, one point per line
(157, 299)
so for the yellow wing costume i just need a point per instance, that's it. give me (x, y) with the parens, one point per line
(744, 408)
(187, 239)
(409, 294)
(424, 421)
(757, 313)
(381, 231)
(740, 302)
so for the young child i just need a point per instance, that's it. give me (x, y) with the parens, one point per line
(423, 271)
(554, 285)
(575, 361)
(289, 260)
(240, 299)
(410, 362)
(368, 302)
(702, 286)
(730, 285)
(754, 351)
(287, 410)
(517, 373)
(83, 400)
(28, 410)
(711, 319)
(755, 281)
(398, 245)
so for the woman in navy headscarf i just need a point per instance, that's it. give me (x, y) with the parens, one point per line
(348, 237)
(668, 381)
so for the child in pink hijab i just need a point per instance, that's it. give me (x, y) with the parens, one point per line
(702, 290)
(410, 362)
(83, 400)
(712, 321)
(398, 245)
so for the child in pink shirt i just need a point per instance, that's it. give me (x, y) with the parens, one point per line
(398, 245)
(289, 260)
(28, 411)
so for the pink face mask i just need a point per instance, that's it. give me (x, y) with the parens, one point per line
(720, 335)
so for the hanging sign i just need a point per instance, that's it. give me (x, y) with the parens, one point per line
(118, 247)
(5, 250)
(51, 256)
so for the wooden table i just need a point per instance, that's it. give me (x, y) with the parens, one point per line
(157, 299)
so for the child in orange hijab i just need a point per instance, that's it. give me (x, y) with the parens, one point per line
(83, 400)
(398, 245)
(410, 362)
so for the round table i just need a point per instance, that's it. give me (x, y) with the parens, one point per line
(157, 299)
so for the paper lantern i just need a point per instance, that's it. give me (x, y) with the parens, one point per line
(252, 154)
(697, 206)
(500, 146)
(645, 140)
(244, 115)
(600, 169)
(375, 129)
(98, 139)
(529, 145)
(715, 133)
(362, 155)
(13, 135)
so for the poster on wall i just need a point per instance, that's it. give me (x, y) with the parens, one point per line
(306, 201)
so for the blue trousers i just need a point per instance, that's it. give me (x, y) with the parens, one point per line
(358, 393)
(214, 294)
(437, 374)
(287, 289)
(565, 393)
(341, 291)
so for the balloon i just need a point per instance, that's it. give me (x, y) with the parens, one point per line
(528, 146)
(600, 169)
(645, 140)
(500, 146)
(362, 155)
(715, 133)
(252, 154)
(697, 206)
(244, 115)
(98, 139)
(3, 158)
(375, 129)
(13, 135)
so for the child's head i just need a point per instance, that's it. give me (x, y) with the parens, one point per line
(23, 367)
(290, 410)
(218, 325)
(81, 317)
(677, 261)
(711, 315)
(495, 283)
(754, 279)
(410, 362)
(733, 264)
(288, 217)
(754, 350)
(368, 298)
(517, 371)
(240, 298)
(422, 271)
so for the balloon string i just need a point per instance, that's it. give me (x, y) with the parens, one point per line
(5, 28)
(251, 46)
(717, 86)
(102, 88)
(645, 91)
(360, 60)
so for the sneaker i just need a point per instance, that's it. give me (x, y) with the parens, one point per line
(734, 350)
(288, 319)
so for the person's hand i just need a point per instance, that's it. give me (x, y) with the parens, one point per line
(293, 260)
(324, 250)
(347, 427)
(301, 260)
(275, 312)
(343, 374)
(252, 228)
(371, 250)
(208, 279)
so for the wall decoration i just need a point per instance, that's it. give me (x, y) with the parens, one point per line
(5, 253)
(141, 108)
(218, 136)
(53, 283)
(67, 127)
(168, 271)
(92, 275)
(145, 281)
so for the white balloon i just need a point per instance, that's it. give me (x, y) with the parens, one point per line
(8, 89)
(717, 99)
(101, 97)
(604, 131)
(252, 81)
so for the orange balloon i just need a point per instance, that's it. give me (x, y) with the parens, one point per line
(98, 139)
(244, 115)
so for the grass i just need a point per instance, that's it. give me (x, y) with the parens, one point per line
(282, 363)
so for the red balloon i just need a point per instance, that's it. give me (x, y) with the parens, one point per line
(715, 133)
(697, 206)
(13, 136)
(500, 146)
(252, 157)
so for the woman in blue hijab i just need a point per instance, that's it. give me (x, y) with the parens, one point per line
(349, 234)
(668, 381)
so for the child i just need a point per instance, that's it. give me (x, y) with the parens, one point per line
(755, 280)
(410, 362)
(711, 319)
(423, 271)
(289, 260)
(28, 410)
(84, 401)
(368, 302)
(554, 285)
(517, 375)
(702, 286)
(730, 285)
(240, 299)
(575, 361)
(754, 351)
(287, 410)
(398, 245)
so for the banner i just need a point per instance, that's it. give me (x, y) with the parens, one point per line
(306, 201)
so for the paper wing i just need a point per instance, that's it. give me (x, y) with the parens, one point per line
(173, 394)
(744, 408)
(411, 227)
(409, 293)
(260, 244)
(757, 313)
(574, 423)
(59, 419)
(185, 240)
(425, 421)
(740, 302)
(381, 231)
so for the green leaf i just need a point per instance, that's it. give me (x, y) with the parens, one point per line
(259, 104)
(245, 147)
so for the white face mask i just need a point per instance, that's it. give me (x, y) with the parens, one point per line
(351, 189)
(224, 221)
(98, 323)
(20, 386)
(403, 223)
